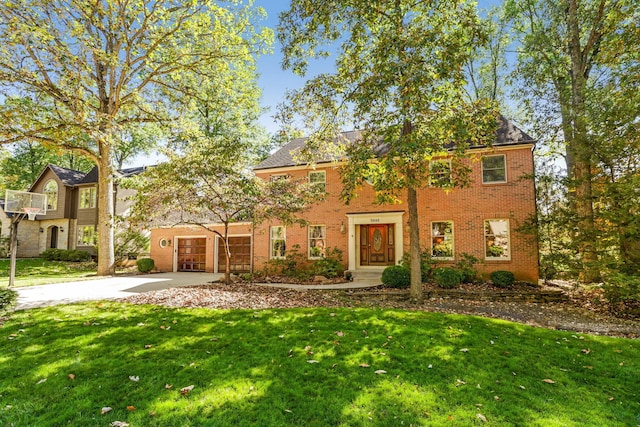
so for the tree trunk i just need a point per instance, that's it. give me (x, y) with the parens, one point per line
(227, 253)
(414, 244)
(106, 256)
(13, 247)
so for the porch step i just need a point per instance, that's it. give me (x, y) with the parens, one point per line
(367, 276)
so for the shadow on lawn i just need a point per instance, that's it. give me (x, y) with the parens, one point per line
(312, 367)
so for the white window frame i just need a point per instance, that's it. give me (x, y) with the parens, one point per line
(92, 235)
(93, 194)
(445, 238)
(431, 173)
(504, 165)
(506, 246)
(273, 239)
(52, 196)
(322, 182)
(319, 241)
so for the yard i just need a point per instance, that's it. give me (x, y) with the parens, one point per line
(146, 365)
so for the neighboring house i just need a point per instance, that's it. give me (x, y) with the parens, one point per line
(72, 214)
(481, 220)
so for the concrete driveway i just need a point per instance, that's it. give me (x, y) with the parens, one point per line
(107, 288)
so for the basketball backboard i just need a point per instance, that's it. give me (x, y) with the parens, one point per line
(24, 202)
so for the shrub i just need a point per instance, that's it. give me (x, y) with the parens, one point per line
(331, 265)
(502, 278)
(8, 298)
(71, 255)
(447, 277)
(145, 265)
(620, 287)
(466, 266)
(426, 264)
(396, 276)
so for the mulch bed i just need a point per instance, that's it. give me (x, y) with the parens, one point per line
(570, 314)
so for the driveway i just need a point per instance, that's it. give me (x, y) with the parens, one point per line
(106, 288)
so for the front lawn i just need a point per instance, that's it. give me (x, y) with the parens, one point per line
(37, 271)
(155, 366)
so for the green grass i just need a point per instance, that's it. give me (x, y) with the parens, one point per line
(251, 368)
(37, 271)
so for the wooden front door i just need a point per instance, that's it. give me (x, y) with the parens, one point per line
(192, 254)
(240, 248)
(377, 244)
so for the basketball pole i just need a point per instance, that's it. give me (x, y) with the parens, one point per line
(15, 220)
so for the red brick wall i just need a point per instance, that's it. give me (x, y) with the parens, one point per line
(466, 207)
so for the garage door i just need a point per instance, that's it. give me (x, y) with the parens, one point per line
(240, 248)
(192, 254)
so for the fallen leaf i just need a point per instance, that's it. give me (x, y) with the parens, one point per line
(148, 346)
(288, 410)
(482, 418)
(41, 381)
(459, 382)
(131, 408)
(119, 424)
(364, 332)
(340, 333)
(611, 398)
(313, 361)
(186, 390)
(523, 387)
(364, 365)
(168, 386)
(548, 381)
(586, 350)
(72, 376)
(134, 379)
(381, 371)
(464, 350)
(105, 410)
(496, 398)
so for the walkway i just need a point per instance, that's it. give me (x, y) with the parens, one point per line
(106, 288)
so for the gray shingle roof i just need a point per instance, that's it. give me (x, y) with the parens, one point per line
(507, 134)
(69, 177)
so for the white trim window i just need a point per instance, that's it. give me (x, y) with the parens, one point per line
(87, 235)
(442, 240)
(319, 179)
(440, 173)
(88, 198)
(494, 169)
(497, 241)
(317, 241)
(51, 191)
(277, 242)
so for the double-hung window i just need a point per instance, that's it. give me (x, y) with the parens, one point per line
(87, 235)
(88, 198)
(277, 242)
(496, 239)
(319, 179)
(442, 240)
(494, 169)
(317, 241)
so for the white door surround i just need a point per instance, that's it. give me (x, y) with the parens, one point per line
(369, 218)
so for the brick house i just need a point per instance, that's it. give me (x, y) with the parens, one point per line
(481, 220)
(72, 214)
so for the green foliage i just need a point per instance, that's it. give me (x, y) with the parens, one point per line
(130, 243)
(447, 277)
(145, 265)
(71, 255)
(8, 299)
(466, 266)
(622, 288)
(294, 265)
(427, 264)
(502, 279)
(396, 276)
(331, 265)
(4, 246)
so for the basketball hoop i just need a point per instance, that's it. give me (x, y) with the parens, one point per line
(31, 212)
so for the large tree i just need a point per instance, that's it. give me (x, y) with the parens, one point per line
(400, 79)
(77, 74)
(561, 61)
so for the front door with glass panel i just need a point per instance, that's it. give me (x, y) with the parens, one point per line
(377, 244)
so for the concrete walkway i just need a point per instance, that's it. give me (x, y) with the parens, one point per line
(124, 286)
(106, 288)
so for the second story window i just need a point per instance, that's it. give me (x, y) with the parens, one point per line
(88, 198)
(319, 179)
(494, 169)
(51, 190)
(440, 173)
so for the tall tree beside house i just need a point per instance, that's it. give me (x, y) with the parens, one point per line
(568, 49)
(400, 79)
(78, 74)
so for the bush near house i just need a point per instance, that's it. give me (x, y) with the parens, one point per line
(8, 298)
(296, 265)
(72, 255)
(145, 265)
(427, 264)
(502, 279)
(447, 277)
(396, 276)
